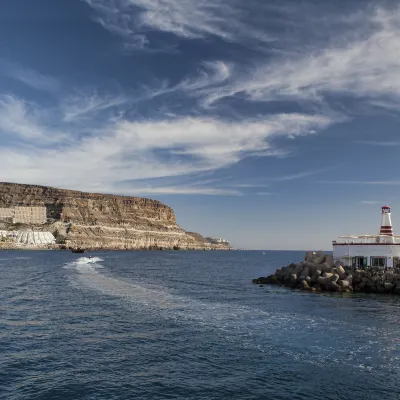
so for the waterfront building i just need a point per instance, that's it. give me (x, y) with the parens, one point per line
(24, 215)
(381, 250)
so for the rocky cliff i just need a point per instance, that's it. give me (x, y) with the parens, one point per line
(103, 221)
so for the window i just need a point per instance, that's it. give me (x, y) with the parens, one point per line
(360, 262)
(378, 261)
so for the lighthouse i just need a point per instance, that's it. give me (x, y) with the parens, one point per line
(386, 225)
(381, 250)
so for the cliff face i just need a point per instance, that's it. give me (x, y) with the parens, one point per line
(104, 221)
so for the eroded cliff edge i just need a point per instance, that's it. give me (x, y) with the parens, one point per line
(102, 221)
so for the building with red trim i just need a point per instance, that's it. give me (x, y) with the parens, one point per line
(381, 250)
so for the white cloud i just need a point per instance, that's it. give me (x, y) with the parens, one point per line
(381, 143)
(81, 105)
(22, 120)
(358, 54)
(187, 190)
(30, 77)
(300, 175)
(364, 65)
(263, 193)
(191, 19)
(123, 150)
(372, 183)
(214, 73)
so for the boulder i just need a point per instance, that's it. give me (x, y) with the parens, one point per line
(280, 272)
(334, 287)
(389, 277)
(396, 289)
(317, 274)
(380, 289)
(304, 273)
(349, 278)
(327, 274)
(334, 278)
(299, 268)
(304, 285)
(312, 268)
(388, 286)
(323, 280)
(325, 267)
(342, 283)
(341, 272)
(309, 256)
(329, 259)
(319, 260)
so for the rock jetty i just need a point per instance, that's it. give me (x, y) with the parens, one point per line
(318, 273)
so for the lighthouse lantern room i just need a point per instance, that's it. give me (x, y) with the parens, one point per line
(382, 250)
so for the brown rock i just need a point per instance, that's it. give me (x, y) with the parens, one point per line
(105, 221)
(304, 285)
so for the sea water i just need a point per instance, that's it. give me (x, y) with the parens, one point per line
(186, 325)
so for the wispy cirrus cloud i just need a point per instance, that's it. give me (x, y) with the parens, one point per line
(29, 77)
(79, 106)
(369, 183)
(381, 143)
(301, 175)
(189, 19)
(186, 190)
(364, 65)
(126, 150)
(358, 56)
(22, 120)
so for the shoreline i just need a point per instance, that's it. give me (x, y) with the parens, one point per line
(317, 273)
(37, 248)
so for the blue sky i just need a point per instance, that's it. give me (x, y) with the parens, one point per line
(274, 124)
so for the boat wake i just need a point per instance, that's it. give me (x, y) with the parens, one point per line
(268, 331)
(85, 265)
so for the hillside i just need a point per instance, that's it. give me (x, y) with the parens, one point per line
(101, 221)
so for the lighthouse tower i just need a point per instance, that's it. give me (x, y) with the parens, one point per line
(386, 225)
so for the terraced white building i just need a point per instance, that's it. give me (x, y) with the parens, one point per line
(30, 238)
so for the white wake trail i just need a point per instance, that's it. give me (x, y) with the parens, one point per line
(252, 327)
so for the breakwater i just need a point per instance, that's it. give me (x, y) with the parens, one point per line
(318, 273)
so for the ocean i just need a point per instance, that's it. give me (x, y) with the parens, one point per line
(186, 325)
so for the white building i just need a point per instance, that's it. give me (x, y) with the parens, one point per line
(30, 238)
(382, 250)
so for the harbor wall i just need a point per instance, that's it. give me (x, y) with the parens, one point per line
(318, 273)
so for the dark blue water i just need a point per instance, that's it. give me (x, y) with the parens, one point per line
(186, 325)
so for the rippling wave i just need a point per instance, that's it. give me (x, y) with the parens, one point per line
(254, 327)
(186, 325)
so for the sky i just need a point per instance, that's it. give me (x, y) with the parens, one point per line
(273, 124)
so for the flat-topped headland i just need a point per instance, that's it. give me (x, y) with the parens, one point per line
(318, 273)
(34, 216)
